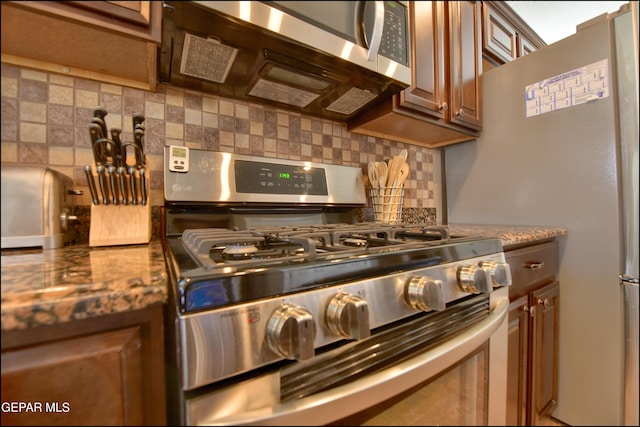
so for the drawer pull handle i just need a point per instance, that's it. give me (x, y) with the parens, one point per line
(534, 265)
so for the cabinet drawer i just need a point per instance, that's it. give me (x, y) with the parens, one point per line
(530, 266)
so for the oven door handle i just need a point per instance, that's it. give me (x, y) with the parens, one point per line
(348, 399)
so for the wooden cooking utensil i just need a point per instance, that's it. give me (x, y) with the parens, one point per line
(401, 177)
(383, 172)
(374, 177)
(395, 164)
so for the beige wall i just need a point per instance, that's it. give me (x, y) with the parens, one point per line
(45, 118)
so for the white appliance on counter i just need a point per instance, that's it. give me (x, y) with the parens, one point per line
(550, 155)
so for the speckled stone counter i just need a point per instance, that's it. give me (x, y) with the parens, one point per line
(43, 287)
(509, 234)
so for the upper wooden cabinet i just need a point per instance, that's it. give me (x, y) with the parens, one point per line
(111, 41)
(442, 105)
(505, 36)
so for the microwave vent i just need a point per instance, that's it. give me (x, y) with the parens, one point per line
(351, 101)
(206, 58)
(283, 93)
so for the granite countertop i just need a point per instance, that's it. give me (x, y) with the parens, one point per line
(509, 234)
(43, 287)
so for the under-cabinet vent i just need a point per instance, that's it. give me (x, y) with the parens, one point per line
(351, 101)
(206, 58)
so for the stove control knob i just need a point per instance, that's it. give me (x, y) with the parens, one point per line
(473, 279)
(500, 272)
(291, 332)
(425, 293)
(348, 316)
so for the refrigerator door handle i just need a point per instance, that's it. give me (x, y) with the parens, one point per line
(628, 280)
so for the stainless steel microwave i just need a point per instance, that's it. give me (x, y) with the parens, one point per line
(377, 28)
(325, 58)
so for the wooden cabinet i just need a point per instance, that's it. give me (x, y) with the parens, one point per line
(110, 41)
(442, 105)
(505, 37)
(533, 334)
(100, 371)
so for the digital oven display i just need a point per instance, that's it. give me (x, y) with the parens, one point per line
(271, 178)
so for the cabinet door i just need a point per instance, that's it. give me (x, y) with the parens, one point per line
(544, 352)
(427, 92)
(499, 39)
(140, 19)
(517, 362)
(525, 46)
(114, 42)
(91, 380)
(466, 63)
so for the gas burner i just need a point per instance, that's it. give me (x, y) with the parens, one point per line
(355, 242)
(239, 252)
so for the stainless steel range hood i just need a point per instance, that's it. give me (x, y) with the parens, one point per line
(206, 49)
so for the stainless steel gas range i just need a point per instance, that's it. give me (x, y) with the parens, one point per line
(284, 309)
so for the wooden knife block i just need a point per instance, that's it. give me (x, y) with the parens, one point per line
(113, 225)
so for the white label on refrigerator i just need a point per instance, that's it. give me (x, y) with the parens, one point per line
(569, 89)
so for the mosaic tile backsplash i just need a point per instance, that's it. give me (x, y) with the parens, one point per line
(45, 118)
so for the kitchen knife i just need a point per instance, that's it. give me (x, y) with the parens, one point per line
(95, 132)
(111, 173)
(107, 148)
(96, 121)
(124, 197)
(132, 185)
(138, 119)
(117, 144)
(143, 187)
(101, 125)
(92, 184)
(101, 113)
(138, 134)
(103, 185)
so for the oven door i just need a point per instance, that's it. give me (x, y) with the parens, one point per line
(461, 381)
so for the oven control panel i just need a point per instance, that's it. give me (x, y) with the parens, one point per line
(274, 178)
(295, 325)
(202, 176)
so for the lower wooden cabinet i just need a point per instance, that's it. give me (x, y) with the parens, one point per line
(101, 371)
(533, 334)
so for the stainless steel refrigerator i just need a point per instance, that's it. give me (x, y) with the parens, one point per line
(559, 147)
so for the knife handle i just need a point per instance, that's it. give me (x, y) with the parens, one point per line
(112, 184)
(101, 113)
(103, 185)
(124, 197)
(117, 155)
(92, 184)
(143, 187)
(132, 184)
(138, 134)
(137, 118)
